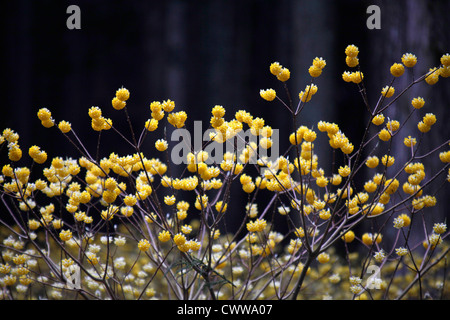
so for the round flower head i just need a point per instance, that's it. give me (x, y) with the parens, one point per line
(418, 102)
(444, 71)
(161, 145)
(409, 142)
(372, 162)
(164, 236)
(314, 71)
(143, 245)
(378, 119)
(423, 127)
(352, 50)
(284, 75)
(95, 112)
(64, 126)
(409, 60)
(397, 69)
(323, 257)
(351, 61)
(429, 119)
(179, 239)
(357, 77)
(445, 60)
(349, 236)
(169, 200)
(275, 68)
(433, 76)
(347, 76)
(219, 111)
(118, 104)
(44, 114)
(65, 235)
(268, 94)
(439, 228)
(151, 124)
(344, 171)
(387, 160)
(388, 91)
(319, 63)
(384, 135)
(122, 94)
(168, 105)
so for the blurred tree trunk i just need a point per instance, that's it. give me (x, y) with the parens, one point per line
(418, 27)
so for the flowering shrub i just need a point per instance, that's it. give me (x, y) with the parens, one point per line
(123, 227)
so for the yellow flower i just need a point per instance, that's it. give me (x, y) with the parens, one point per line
(284, 75)
(64, 126)
(257, 225)
(179, 239)
(306, 95)
(48, 123)
(309, 135)
(14, 153)
(351, 61)
(432, 76)
(323, 257)
(117, 103)
(387, 160)
(423, 127)
(418, 102)
(429, 119)
(397, 69)
(349, 236)
(444, 71)
(161, 145)
(344, 171)
(44, 114)
(95, 112)
(275, 68)
(352, 50)
(406, 219)
(122, 94)
(393, 125)
(372, 162)
(65, 235)
(378, 119)
(409, 60)
(319, 63)
(143, 245)
(409, 141)
(177, 119)
(164, 236)
(169, 200)
(388, 91)
(221, 207)
(439, 228)
(445, 60)
(268, 94)
(314, 71)
(357, 77)
(168, 105)
(384, 135)
(347, 76)
(151, 124)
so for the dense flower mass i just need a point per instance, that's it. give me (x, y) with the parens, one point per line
(145, 225)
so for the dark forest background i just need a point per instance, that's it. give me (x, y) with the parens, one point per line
(203, 53)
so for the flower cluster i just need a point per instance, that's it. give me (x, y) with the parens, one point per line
(131, 227)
